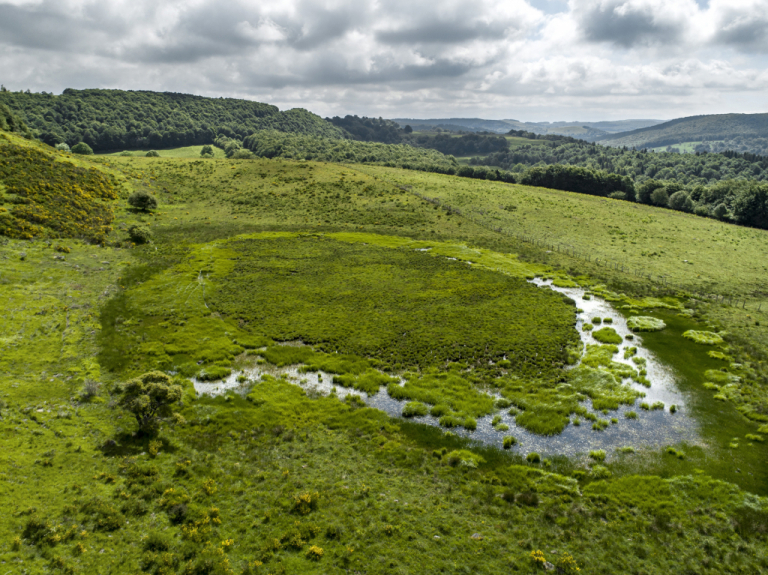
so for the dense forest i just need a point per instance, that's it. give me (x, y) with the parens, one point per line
(116, 119)
(465, 145)
(369, 129)
(12, 123)
(687, 169)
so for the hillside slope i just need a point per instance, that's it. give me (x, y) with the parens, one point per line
(117, 119)
(46, 193)
(748, 131)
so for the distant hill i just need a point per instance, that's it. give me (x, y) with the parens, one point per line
(117, 119)
(589, 131)
(740, 132)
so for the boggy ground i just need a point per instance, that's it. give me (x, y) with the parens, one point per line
(279, 482)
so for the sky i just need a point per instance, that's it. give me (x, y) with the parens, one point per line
(529, 60)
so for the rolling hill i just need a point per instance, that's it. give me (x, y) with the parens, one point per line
(584, 130)
(744, 132)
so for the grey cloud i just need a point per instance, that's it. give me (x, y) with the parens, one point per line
(619, 23)
(42, 27)
(442, 33)
(745, 31)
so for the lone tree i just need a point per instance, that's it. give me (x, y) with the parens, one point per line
(149, 397)
(142, 200)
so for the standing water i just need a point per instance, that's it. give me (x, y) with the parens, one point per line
(651, 428)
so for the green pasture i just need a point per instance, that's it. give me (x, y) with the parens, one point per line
(185, 152)
(246, 255)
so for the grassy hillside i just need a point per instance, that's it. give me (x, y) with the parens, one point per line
(277, 476)
(750, 129)
(45, 193)
(273, 144)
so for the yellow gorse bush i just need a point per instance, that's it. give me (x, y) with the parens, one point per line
(53, 198)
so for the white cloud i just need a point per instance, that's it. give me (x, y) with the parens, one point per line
(498, 58)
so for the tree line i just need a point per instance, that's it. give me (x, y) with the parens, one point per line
(121, 120)
(639, 165)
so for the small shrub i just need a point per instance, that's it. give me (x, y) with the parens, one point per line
(62, 147)
(83, 149)
(509, 441)
(214, 373)
(142, 200)
(567, 564)
(537, 557)
(415, 409)
(672, 408)
(503, 403)
(154, 447)
(600, 425)
(644, 406)
(754, 437)
(533, 457)
(90, 390)
(470, 423)
(675, 452)
(306, 502)
(528, 498)
(626, 449)
(658, 405)
(157, 542)
(439, 410)
(140, 234)
(600, 472)
(314, 553)
(464, 458)
(152, 154)
(598, 455)
(597, 320)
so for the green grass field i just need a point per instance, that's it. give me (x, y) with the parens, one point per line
(248, 254)
(186, 152)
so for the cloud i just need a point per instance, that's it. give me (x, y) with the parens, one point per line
(741, 24)
(629, 23)
(497, 58)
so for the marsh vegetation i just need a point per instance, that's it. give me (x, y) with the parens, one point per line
(262, 273)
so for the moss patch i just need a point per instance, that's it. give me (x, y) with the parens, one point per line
(703, 337)
(645, 323)
(607, 335)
